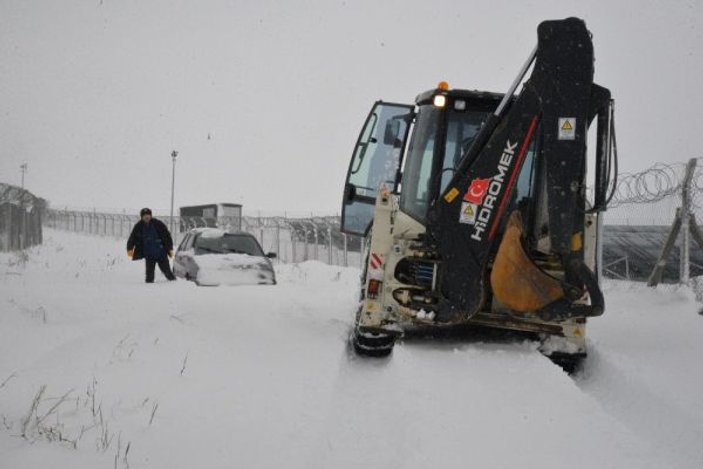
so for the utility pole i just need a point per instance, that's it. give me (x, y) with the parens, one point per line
(174, 154)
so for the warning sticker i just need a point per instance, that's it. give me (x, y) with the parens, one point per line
(468, 213)
(567, 128)
(451, 195)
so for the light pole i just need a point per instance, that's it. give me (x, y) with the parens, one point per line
(174, 154)
(23, 168)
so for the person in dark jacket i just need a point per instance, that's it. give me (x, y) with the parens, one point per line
(150, 240)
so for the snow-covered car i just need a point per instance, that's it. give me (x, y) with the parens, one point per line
(209, 256)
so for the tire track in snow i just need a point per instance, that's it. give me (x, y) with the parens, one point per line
(648, 415)
(449, 404)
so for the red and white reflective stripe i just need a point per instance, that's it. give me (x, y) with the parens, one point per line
(376, 261)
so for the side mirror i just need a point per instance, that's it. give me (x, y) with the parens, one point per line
(271, 255)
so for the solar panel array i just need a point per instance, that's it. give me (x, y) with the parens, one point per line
(631, 251)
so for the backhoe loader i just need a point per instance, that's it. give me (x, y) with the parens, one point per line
(483, 209)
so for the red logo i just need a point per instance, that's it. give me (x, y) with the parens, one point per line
(477, 190)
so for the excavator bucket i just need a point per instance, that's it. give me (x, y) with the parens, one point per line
(516, 281)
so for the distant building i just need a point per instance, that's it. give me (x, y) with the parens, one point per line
(226, 216)
(21, 215)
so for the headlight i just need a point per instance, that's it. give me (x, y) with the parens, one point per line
(440, 100)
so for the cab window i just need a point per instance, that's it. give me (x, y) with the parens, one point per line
(415, 196)
(462, 128)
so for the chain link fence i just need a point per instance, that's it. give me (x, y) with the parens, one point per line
(638, 232)
(21, 214)
(292, 239)
(651, 223)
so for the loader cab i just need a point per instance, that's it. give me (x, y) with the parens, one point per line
(427, 140)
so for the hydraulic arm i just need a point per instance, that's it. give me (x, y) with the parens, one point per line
(542, 258)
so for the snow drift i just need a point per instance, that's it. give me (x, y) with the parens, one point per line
(98, 369)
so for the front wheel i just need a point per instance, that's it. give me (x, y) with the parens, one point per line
(370, 343)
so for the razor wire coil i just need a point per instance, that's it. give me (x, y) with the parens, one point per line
(655, 184)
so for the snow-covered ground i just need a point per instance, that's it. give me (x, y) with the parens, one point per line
(171, 375)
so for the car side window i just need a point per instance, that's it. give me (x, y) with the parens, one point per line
(182, 246)
(191, 240)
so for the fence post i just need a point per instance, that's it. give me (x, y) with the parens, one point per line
(278, 241)
(362, 250)
(684, 268)
(329, 245)
(293, 244)
(7, 245)
(656, 275)
(23, 225)
(346, 258)
(317, 242)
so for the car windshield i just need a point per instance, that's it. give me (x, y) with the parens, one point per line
(227, 244)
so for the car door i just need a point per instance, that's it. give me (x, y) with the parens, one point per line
(375, 163)
(182, 259)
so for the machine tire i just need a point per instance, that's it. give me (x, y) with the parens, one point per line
(569, 362)
(370, 344)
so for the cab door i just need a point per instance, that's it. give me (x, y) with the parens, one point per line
(375, 163)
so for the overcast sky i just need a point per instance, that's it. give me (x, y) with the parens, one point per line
(264, 100)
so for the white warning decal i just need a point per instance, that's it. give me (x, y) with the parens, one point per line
(567, 128)
(468, 213)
